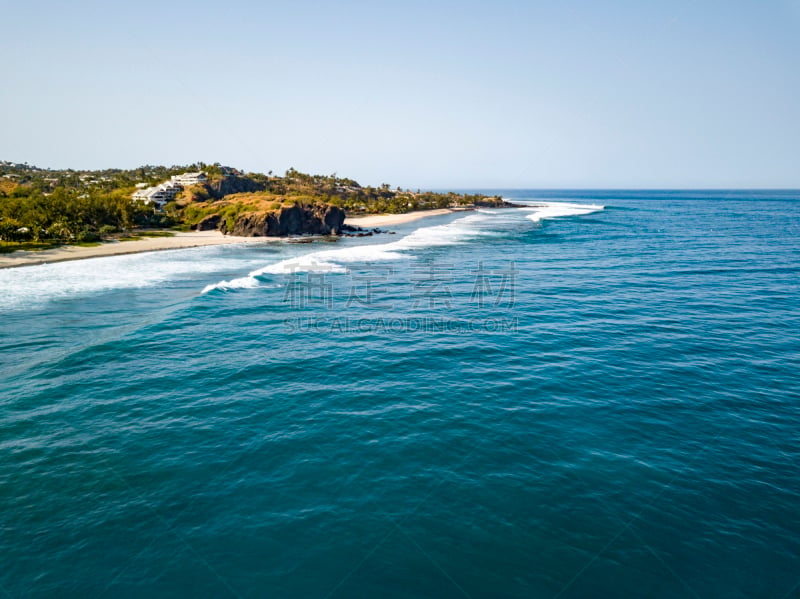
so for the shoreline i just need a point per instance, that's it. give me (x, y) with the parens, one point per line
(382, 220)
(182, 240)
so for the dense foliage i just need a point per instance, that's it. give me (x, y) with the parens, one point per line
(51, 205)
(68, 205)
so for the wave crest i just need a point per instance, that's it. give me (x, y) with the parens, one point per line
(556, 209)
(457, 231)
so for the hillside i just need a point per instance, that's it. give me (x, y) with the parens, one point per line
(62, 206)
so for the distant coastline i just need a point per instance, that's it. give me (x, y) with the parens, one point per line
(183, 240)
(43, 209)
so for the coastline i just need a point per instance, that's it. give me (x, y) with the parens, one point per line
(382, 220)
(181, 240)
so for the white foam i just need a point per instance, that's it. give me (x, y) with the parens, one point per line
(33, 285)
(30, 286)
(455, 232)
(546, 210)
(331, 260)
(240, 283)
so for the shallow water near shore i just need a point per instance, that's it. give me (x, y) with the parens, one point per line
(595, 395)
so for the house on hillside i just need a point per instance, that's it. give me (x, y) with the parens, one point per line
(166, 192)
(187, 179)
(158, 195)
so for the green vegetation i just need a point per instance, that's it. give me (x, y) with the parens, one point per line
(155, 234)
(51, 207)
(6, 247)
(40, 208)
(140, 234)
(355, 199)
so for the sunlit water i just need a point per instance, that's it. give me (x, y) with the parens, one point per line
(594, 397)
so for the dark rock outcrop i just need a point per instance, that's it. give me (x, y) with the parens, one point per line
(209, 223)
(311, 219)
(492, 202)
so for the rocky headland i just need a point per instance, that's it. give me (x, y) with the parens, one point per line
(299, 219)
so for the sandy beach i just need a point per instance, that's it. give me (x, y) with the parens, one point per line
(115, 248)
(181, 240)
(384, 220)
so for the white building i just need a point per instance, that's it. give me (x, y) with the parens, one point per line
(166, 192)
(158, 195)
(187, 179)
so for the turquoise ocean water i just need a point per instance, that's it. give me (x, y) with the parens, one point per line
(596, 398)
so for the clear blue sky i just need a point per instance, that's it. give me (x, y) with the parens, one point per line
(417, 94)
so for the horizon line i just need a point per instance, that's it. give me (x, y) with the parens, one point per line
(461, 187)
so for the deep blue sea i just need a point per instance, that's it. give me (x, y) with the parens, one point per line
(597, 397)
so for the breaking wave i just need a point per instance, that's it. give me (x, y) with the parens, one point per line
(331, 261)
(29, 286)
(481, 223)
(556, 209)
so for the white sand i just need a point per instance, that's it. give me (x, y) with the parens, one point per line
(381, 220)
(147, 244)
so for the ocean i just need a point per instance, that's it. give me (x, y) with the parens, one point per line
(595, 395)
